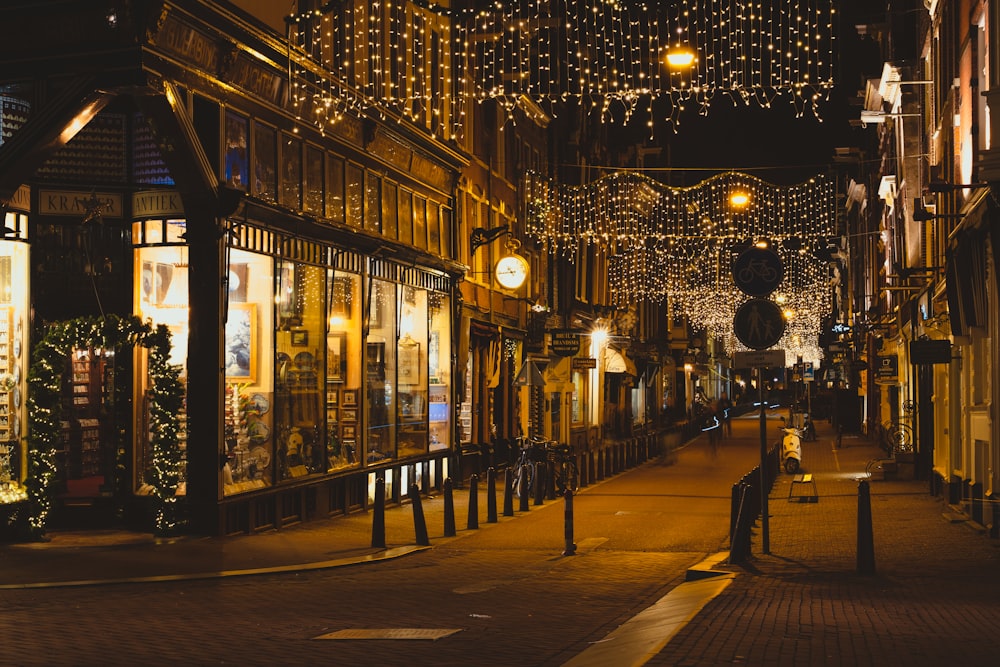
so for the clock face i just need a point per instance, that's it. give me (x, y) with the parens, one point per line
(511, 271)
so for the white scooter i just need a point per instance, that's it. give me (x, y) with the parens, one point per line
(791, 449)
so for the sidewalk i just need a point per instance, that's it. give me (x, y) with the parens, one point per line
(934, 598)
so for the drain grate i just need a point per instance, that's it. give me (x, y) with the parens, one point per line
(390, 633)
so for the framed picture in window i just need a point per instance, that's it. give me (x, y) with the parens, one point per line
(348, 431)
(342, 296)
(349, 398)
(331, 397)
(240, 343)
(349, 415)
(336, 362)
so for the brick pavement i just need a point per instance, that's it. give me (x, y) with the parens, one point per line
(934, 599)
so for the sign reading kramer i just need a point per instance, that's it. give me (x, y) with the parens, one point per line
(565, 343)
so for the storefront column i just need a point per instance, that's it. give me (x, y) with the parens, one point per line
(205, 379)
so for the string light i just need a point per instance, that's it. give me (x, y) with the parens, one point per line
(166, 394)
(662, 243)
(425, 63)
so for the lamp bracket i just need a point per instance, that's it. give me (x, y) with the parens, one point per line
(482, 236)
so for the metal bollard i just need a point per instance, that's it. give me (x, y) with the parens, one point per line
(449, 508)
(523, 491)
(473, 522)
(508, 492)
(419, 525)
(541, 478)
(570, 549)
(866, 541)
(378, 515)
(491, 495)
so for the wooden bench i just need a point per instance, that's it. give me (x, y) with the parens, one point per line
(803, 484)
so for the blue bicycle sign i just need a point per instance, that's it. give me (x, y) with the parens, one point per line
(757, 271)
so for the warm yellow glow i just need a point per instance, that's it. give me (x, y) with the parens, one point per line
(599, 337)
(789, 314)
(762, 244)
(739, 199)
(679, 57)
(337, 322)
(781, 298)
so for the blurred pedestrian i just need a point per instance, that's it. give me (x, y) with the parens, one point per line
(725, 408)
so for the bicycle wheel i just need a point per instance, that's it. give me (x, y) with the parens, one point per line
(523, 479)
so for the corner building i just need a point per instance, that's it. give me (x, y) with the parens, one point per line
(181, 163)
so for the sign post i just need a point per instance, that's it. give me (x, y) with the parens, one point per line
(759, 324)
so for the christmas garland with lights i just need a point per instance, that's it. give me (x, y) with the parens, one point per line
(166, 394)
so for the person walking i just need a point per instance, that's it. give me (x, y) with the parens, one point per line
(724, 409)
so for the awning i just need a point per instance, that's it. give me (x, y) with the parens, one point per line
(618, 362)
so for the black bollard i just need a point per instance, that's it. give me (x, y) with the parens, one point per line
(473, 502)
(570, 549)
(541, 479)
(449, 509)
(866, 541)
(524, 489)
(491, 495)
(419, 525)
(378, 515)
(508, 492)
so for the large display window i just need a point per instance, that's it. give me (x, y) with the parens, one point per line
(14, 273)
(343, 370)
(250, 422)
(160, 296)
(300, 349)
(380, 365)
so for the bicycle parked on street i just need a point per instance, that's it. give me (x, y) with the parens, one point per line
(526, 470)
(565, 474)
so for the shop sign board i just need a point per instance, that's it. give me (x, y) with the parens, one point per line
(76, 203)
(565, 343)
(584, 363)
(887, 371)
(930, 352)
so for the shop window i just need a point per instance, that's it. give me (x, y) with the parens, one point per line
(335, 190)
(291, 172)
(343, 370)
(406, 216)
(411, 373)
(14, 358)
(439, 370)
(314, 181)
(373, 203)
(380, 364)
(236, 154)
(390, 209)
(265, 162)
(355, 195)
(300, 348)
(579, 405)
(420, 222)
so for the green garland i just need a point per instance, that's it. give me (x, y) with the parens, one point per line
(48, 361)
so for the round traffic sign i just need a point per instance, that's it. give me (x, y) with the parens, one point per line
(758, 271)
(759, 324)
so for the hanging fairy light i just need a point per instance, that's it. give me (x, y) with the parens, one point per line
(677, 244)
(679, 51)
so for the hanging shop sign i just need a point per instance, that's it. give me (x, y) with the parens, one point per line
(565, 343)
(930, 352)
(584, 363)
(887, 371)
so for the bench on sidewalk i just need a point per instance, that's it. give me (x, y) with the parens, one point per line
(803, 484)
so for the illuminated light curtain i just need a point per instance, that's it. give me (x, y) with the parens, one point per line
(677, 244)
(607, 52)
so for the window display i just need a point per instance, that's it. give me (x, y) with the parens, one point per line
(380, 360)
(343, 370)
(299, 372)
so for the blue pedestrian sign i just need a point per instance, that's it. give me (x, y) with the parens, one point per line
(758, 271)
